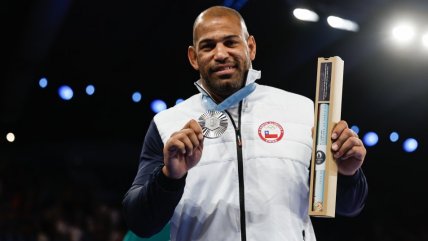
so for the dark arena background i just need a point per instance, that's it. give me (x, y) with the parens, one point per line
(81, 80)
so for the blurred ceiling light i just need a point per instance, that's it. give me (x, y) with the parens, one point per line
(65, 92)
(43, 82)
(158, 105)
(403, 33)
(10, 137)
(178, 101)
(90, 89)
(425, 40)
(370, 138)
(136, 96)
(344, 24)
(305, 15)
(410, 145)
(355, 128)
(394, 136)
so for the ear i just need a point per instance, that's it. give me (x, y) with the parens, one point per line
(251, 42)
(191, 54)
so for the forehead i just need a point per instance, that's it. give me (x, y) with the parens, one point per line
(211, 27)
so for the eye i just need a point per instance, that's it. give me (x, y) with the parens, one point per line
(207, 46)
(230, 43)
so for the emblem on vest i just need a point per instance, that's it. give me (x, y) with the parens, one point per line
(271, 132)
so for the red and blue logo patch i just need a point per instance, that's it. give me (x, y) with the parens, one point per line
(271, 132)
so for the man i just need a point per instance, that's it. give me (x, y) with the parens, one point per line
(236, 185)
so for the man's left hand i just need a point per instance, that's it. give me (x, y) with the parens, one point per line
(348, 149)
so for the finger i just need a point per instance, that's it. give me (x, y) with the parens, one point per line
(194, 133)
(174, 144)
(356, 152)
(345, 134)
(194, 125)
(185, 140)
(347, 146)
(189, 139)
(338, 129)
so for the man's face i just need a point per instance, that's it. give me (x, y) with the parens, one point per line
(222, 54)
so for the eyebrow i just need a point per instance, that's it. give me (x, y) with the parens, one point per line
(227, 37)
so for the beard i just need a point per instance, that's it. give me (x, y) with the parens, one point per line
(224, 85)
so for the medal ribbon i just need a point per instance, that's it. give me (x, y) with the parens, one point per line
(234, 98)
(229, 101)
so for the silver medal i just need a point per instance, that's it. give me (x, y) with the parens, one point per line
(213, 123)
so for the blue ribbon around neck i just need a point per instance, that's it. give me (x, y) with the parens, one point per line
(229, 101)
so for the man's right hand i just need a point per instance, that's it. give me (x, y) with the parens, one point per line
(183, 150)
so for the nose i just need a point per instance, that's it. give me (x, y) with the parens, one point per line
(220, 53)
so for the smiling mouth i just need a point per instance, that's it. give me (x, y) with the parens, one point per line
(226, 70)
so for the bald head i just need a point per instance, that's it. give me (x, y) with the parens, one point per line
(219, 12)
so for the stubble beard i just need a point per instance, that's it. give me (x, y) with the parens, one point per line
(224, 86)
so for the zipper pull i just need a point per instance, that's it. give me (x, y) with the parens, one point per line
(238, 136)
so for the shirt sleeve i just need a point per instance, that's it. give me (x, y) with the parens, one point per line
(351, 194)
(150, 202)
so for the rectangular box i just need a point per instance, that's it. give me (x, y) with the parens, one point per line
(328, 104)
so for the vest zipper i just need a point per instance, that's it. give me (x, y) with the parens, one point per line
(240, 171)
